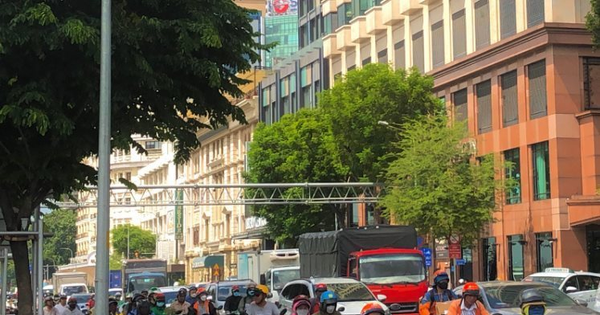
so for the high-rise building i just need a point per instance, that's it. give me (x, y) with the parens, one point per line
(281, 27)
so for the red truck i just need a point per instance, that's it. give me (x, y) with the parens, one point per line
(384, 257)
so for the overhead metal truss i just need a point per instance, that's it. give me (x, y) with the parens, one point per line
(231, 194)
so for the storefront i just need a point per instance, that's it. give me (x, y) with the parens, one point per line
(208, 268)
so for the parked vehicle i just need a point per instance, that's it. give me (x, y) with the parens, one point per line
(383, 257)
(82, 299)
(67, 283)
(352, 294)
(578, 285)
(272, 268)
(114, 291)
(596, 304)
(143, 274)
(503, 298)
(219, 291)
(170, 294)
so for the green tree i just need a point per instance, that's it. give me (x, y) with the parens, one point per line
(435, 185)
(593, 22)
(298, 148)
(58, 248)
(172, 60)
(362, 99)
(114, 262)
(140, 240)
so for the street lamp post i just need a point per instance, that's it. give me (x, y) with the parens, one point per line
(70, 250)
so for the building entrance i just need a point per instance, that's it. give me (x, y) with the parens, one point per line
(593, 247)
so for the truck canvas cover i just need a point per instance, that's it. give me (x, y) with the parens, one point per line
(325, 254)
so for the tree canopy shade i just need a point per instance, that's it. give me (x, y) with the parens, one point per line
(138, 239)
(298, 148)
(62, 224)
(593, 22)
(366, 96)
(172, 59)
(435, 185)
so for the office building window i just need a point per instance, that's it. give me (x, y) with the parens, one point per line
(366, 61)
(541, 171)
(535, 12)
(510, 101)
(417, 51)
(330, 23)
(437, 43)
(508, 19)
(545, 257)
(359, 7)
(591, 82)
(484, 106)
(382, 56)
(513, 171)
(400, 55)
(460, 105)
(303, 7)
(459, 34)
(516, 260)
(536, 73)
(344, 14)
(490, 270)
(482, 23)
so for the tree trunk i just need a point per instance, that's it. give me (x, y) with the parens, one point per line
(20, 256)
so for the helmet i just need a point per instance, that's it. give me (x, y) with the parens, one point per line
(440, 276)
(372, 307)
(328, 297)
(235, 288)
(201, 291)
(320, 287)
(48, 298)
(531, 296)
(159, 296)
(471, 288)
(118, 294)
(192, 287)
(182, 291)
(262, 288)
(112, 301)
(301, 300)
(72, 299)
(137, 297)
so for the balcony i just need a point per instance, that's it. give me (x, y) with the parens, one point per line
(216, 161)
(330, 45)
(359, 29)
(408, 7)
(391, 12)
(374, 21)
(328, 6)
(343, 38)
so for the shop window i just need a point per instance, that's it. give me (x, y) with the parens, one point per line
(541, 171)
(516, 259)
(513, 171)
(544, 251)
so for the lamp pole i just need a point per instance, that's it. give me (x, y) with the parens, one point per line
(70, 250)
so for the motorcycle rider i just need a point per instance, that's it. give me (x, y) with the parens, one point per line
(179, 306)
(301, 305)
(232, 303)
(72, 308)
(532, 303)
(438, 293)
(247, 300)
(49, 308)
(61, 307)
(144, 308)
(192, 297)
(328, 304)
(469, 304)
(113, 307)
(261, 306)
(203, 306)
(158, 307)
(319, 289)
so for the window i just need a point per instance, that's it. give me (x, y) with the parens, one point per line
(399, 58)
(544, 251)
(359, 7)
(382, 56)
(366, 61)
(459, 34)
(344, 14)
(484, 106)
(541, 171)
(417, 51)
(591, 82)
(588, 283)
(535, 12)
(571, 282)
(437, 43)
(508, 19)
(330, 23)
(152, 145)
(460, 105)
(490, 272)
(510, 102)
(482, 23)
(536, 73)
(513, 171)
(515, 257)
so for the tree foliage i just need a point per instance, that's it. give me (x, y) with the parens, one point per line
(140, 240)
(62, 224)
(172, 59)
(298, 148)
(366, 96)
(593, 22)
(435, 185)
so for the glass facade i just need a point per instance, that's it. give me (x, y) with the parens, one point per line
(282, 30)
(545, 257)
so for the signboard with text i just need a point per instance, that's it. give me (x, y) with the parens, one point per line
(454, 248)
(179, 216)
(282, 7)
(427, 254)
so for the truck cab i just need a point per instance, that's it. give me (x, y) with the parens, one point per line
(276, 278)
(399, 274)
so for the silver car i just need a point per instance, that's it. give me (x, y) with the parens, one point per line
(503, 298)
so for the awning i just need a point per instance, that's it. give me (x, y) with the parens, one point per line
(208, 261)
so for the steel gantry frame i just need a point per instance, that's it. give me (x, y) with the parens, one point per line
(230, 194)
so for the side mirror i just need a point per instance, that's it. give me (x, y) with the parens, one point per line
(341, 309)
(381, 297)
(263, 279)
(220, 307)
(571, 290)
(581, 302)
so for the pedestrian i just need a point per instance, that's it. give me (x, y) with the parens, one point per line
(247, 300)
(61, 307)
(144, 308)
(301, 305)
(532, 303)
(438, 293)
(91, 302)
(203, 306)
(469, 304)
(179, 306)
(72, 308)
(113, 307)
(372, 308)
(260, 305)
(159, 304)
(192, 297)
(328, 304)
(49, 308)
(319, 289)
(232, 303)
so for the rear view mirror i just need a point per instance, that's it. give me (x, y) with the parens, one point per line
(381, 297)
(341, 309)
(571, 290)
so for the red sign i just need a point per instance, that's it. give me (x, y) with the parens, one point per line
(281, 6)
(454, 248)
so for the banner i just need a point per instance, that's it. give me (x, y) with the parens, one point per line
(179, 215)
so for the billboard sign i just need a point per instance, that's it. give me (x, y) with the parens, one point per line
(282, 7)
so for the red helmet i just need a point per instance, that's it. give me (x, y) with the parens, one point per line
(301, 300)
(201, 290)
(159, 296)
(235, 288)
(372, 307)
(320, 287)
(471, 288)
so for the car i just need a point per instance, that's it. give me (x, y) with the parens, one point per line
(352, 294)
(596, 304)
(578, 285)
(503, 298)
(115, 291)
(219, 291)
(170, 294)
(82, 299)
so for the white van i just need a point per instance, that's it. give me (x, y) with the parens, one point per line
(73, 288)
